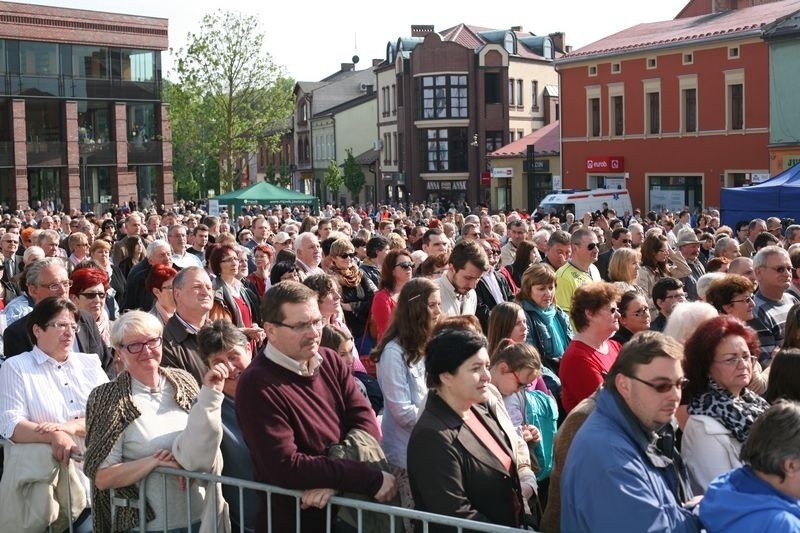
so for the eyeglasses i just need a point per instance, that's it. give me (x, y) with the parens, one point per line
(591, 246)
(748, 299)
(304, 327)
(229, 260)
(93, 295)
(625, 241)
(665, 386)
(136, 347)
(62, 326)
(641, 312)
(351, 255)
(782, 269)
(53, 287)
(736, 360)
(405, 265)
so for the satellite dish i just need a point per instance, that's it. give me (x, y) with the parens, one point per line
(355, 60)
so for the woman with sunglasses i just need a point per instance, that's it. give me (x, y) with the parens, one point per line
(44, 392)
(89, 292)
(634, 316)
(401, 372)
(152, 416)
(357, 292)
(718, 362)
(397, 269)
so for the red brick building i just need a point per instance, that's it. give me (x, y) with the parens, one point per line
(83, 125)
(672, 110)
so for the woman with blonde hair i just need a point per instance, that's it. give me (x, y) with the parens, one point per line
(623, 270)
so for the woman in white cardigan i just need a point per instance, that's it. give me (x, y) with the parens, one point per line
(718, 361)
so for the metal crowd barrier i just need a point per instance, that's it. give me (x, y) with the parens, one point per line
(396, 515)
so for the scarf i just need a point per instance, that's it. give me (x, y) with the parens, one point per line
(736, 414)
(558, 337)
(350, 277)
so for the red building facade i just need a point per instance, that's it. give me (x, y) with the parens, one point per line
(672, 111)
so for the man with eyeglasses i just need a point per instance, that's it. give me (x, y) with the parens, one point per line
(773, 269)
(193, 295)
(579, 268)
(293, 401)
(9, 243)
(667, 293)
(46, 278)
(620, 238)
(624, 457)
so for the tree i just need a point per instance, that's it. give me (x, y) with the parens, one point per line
(243, 96)
(353, 175)
(333, 179)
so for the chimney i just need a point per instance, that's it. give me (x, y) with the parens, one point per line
(377, 62)
(348, 67)
(558, 41)
(720, 6)
(516, 28)
(421, 30)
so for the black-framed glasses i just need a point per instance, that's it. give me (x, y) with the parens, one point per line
(303, 327)
(350, 255)
(136, 347)
(93, 295)
(664, 386)
(641, 312)
(748, 299)
(405, 265)
(591, 246)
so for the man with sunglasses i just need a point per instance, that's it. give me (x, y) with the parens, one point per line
(773, 269)
(579, 269)
(493, 287)
(620, 238)
(624, 455)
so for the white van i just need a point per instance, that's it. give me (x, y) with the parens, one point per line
(579, 202)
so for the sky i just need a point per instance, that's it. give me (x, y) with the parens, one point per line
(310, 40)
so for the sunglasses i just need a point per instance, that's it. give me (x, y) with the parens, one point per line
(351, 255)
(405, 265)
(591, 246)
(93, 295)
(664, 387)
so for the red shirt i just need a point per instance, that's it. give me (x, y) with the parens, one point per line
(583, 369)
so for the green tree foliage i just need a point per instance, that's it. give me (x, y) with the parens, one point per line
(353, 175)
(236, 93)
(333, 179)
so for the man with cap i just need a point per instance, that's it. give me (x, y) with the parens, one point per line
(282, 241)
(688, 253)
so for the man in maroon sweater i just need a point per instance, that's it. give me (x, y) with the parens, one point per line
(293, 402)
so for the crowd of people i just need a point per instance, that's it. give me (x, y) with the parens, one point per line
(507, 368)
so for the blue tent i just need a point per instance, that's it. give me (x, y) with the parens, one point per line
(779, 197)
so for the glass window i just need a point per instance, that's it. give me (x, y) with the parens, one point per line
(141, 122)
(491, 82)
(445, 150)
(3, 67)
(594, 117)
(138, 65)
(444, 96)
(94, 122)
(736, 95)
(654, 113)
(90, 62)
(619, 110)
(38, 59)
(43, 120)
(690, 109)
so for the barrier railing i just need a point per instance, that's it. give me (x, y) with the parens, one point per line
(396, 515)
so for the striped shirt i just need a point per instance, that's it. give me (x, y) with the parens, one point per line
(37, 388)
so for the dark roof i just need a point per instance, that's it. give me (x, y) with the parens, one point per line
(654, 35)
(546, 139)
(368, 157)
(788, 26)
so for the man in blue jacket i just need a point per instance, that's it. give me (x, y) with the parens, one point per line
(622, 471)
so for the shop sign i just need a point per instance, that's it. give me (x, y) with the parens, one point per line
(605, 164)
(505, 172)
(486, 179)
(539, 165)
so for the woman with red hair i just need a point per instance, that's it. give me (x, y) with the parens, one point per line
(719, 359)
(88, 292)
(159, 282)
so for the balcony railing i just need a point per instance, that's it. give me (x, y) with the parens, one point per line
(144, 153)
(46, 154)
(98, 153)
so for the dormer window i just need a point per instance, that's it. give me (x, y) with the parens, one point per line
(508, 43)
(547, 49)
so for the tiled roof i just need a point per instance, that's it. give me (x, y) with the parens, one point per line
(659, 34)
(547, 140)
(785, 27)
(475, 38)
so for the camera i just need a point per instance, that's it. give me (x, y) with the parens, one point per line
(786, 222)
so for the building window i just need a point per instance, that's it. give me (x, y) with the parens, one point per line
(444, 96)
(494, 141)
(535, 95)
(90, 62)
(736, 106)
(38, 59)
(592, 70)
(594, 117)
(653, 116)
(688, 58)
(519, 93)
(690, 110)
(394, 147)
(141, 122)
(492, 84)
(445, 150)
(547, 49)
(616, 68)
(394, 99)
(651, 63)
(511, 92)
(94, 122)
(733, 52)
(138, 65)
(618, 108)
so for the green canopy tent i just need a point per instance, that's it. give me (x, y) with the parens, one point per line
(263, 193)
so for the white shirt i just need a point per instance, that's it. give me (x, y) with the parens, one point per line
(37, 388)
